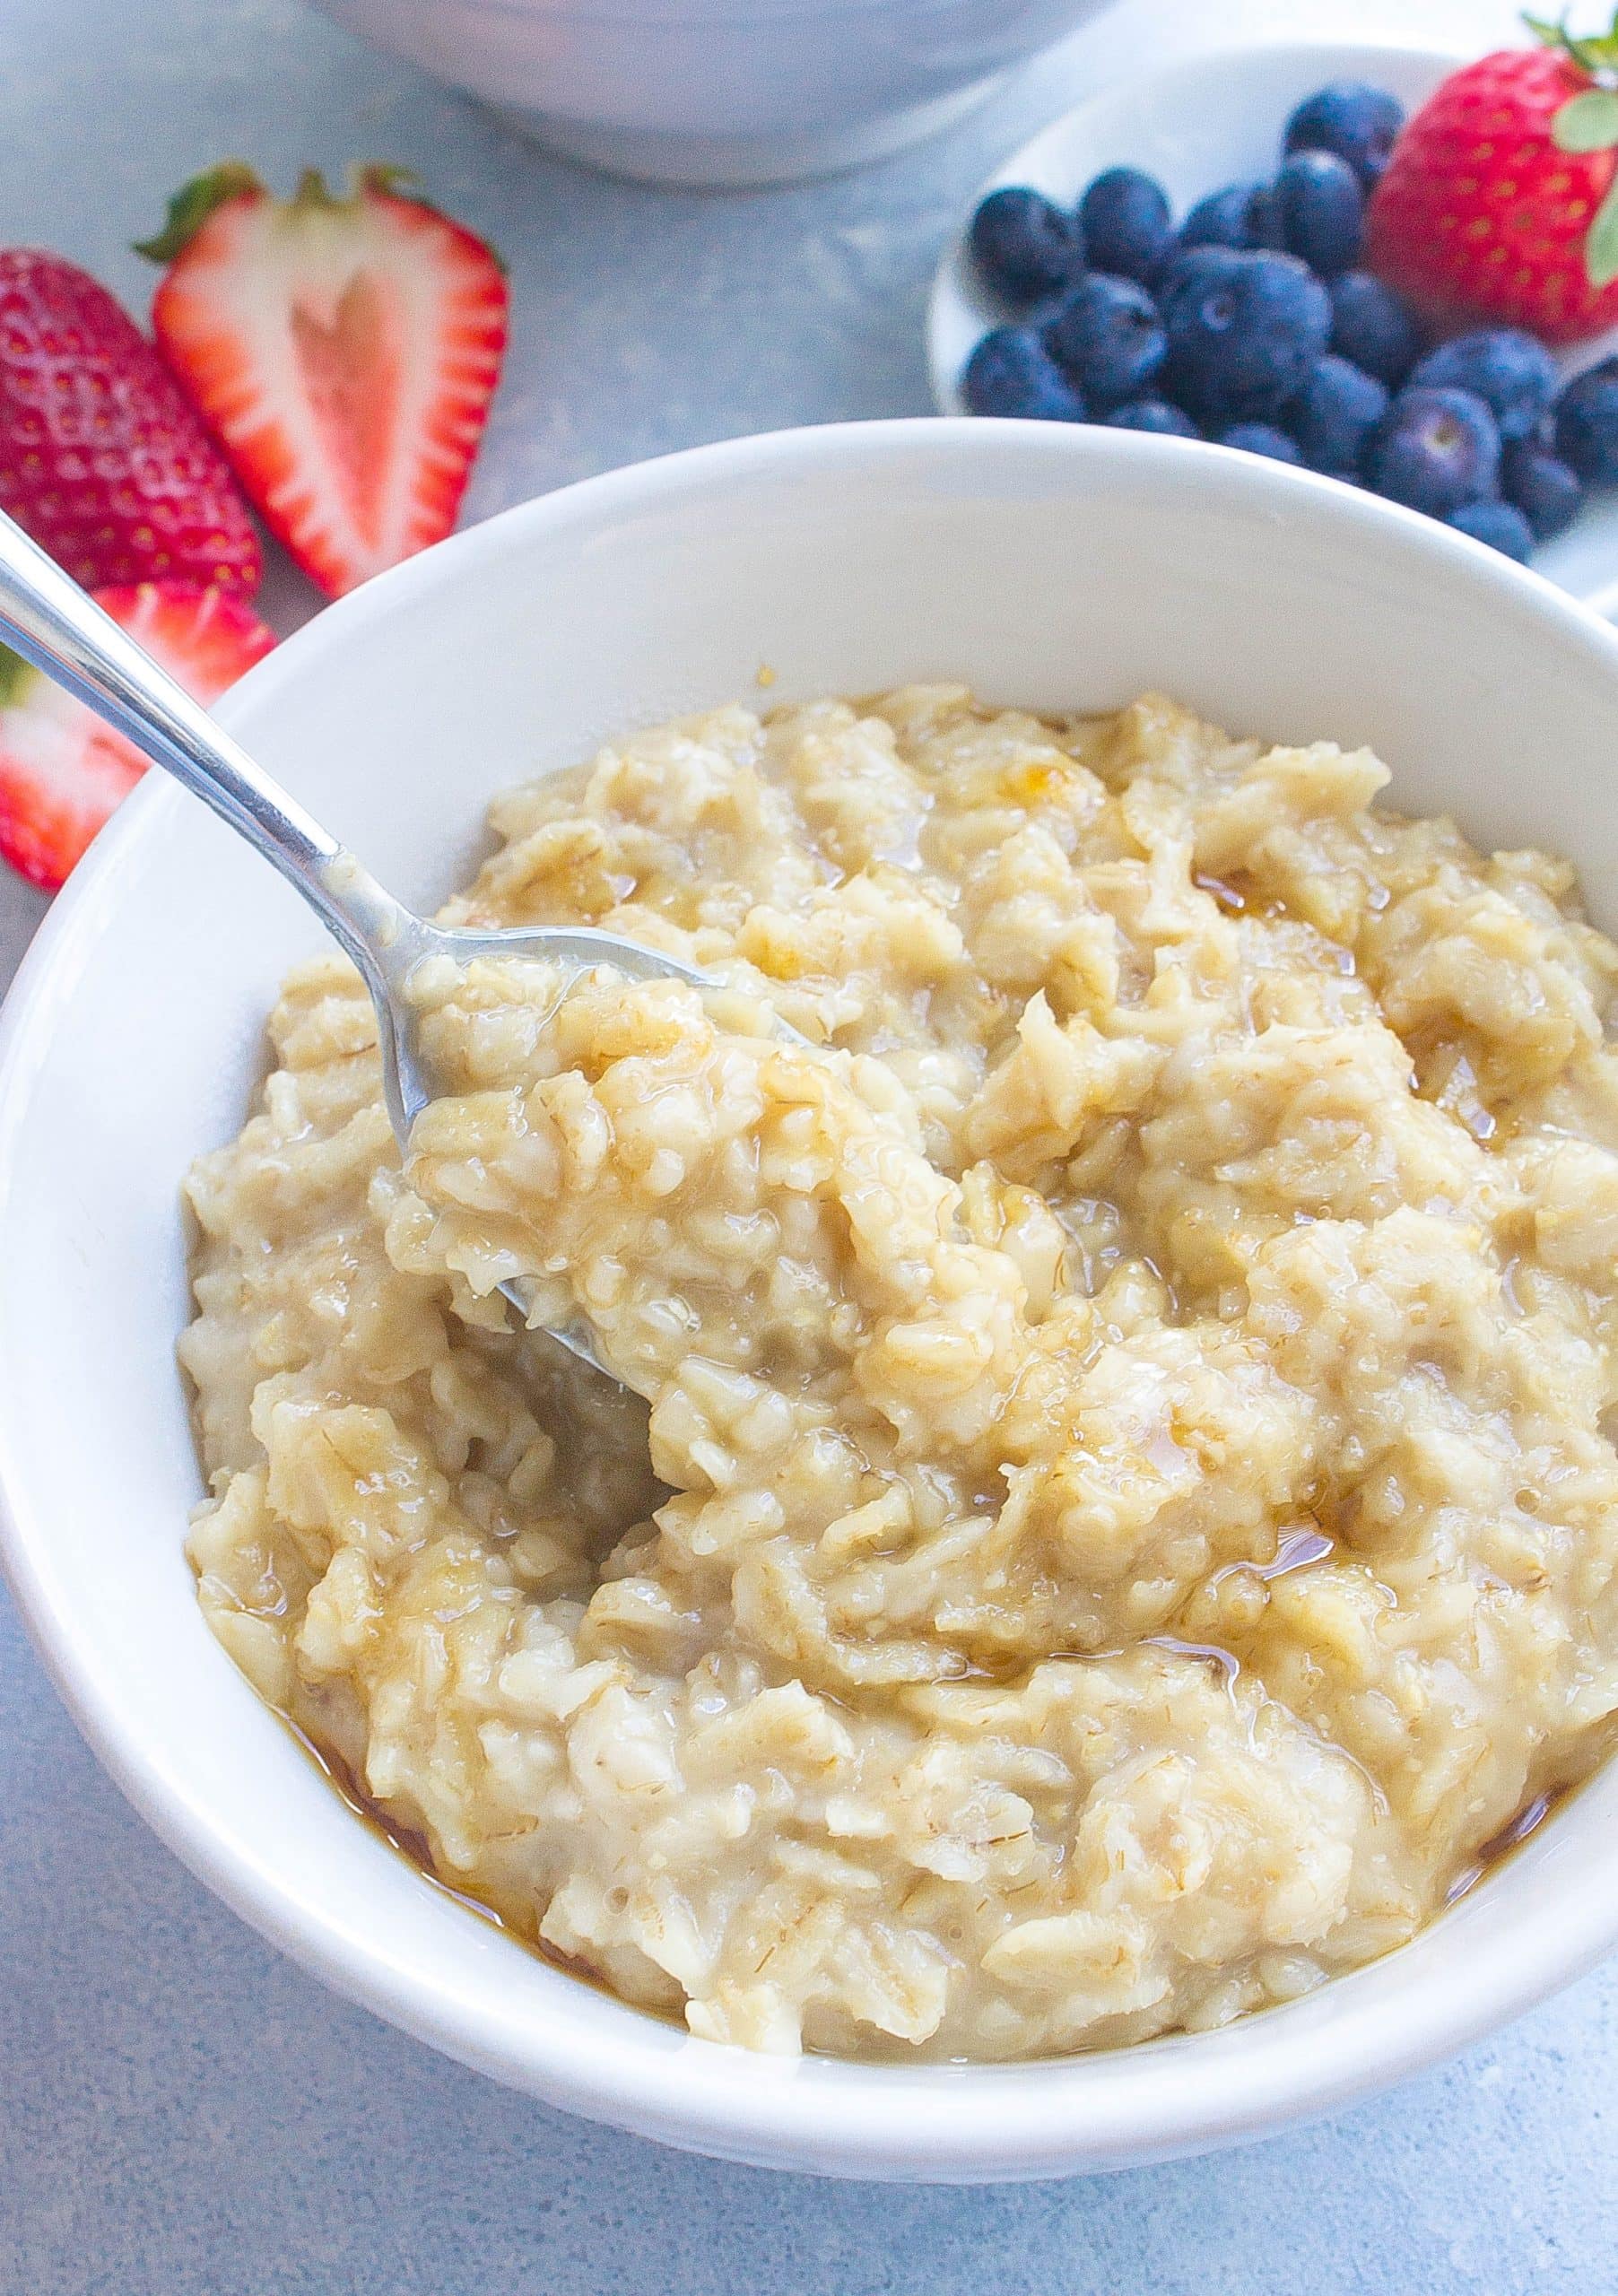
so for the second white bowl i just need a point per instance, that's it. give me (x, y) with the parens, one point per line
(721, 91)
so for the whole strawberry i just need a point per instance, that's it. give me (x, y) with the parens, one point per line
(1499, 202)
(103, 457)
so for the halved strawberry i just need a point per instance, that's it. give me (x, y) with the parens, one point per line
(345, 350)
(61, 771)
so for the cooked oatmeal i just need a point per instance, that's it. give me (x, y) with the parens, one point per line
(1127, 1513)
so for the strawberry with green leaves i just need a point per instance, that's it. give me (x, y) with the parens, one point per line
(1500, 202)
(345, 350)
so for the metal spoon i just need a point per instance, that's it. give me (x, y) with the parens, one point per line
(51, 621)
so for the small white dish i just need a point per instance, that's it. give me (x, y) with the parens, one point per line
(1053, 566)
(1214, 120)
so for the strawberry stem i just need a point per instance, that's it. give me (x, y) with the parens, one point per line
(193, 204)
(1594, 53)
(386, 175)
(365, 176)
(311, 191)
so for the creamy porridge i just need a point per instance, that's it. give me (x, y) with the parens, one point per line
(1128, 1511)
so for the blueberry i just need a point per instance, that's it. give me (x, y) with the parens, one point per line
(1154, 414)
(1586, 424)
(1241, 215)
(1371, 327)
(1543, 488)
(1025, 246)
(1261, 438)
(1356, 122)
(1012, 373)
(1263, 221)
(1512, 373)
(1109, 337)
(1499, 525)
(1125, 223)
(1244, 330)
(1335, 413)
(1321, 210)
(1436, 449)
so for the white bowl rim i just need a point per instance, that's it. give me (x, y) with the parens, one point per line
(944, 2123)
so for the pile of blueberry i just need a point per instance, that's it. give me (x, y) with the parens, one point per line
(1252, 324)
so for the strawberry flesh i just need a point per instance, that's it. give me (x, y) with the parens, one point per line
(345, 351)
(351, 372)
(103, 457)
(61, 771)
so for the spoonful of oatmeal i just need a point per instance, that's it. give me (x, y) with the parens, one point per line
(55, 625)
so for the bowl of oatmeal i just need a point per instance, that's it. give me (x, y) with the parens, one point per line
(1087, 1631)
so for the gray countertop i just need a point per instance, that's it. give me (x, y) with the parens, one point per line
(181, 2110)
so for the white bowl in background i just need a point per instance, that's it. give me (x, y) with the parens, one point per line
(1214, 120)
(1053, 566)
(721, 91)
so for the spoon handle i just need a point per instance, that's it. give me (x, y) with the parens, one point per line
(61, 631)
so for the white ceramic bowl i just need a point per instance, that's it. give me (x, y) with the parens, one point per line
(721, 91)
(1052, 566)
(1217, 120)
